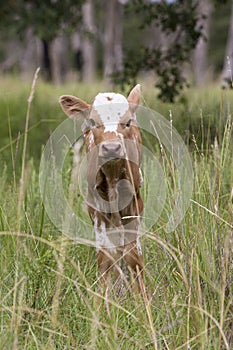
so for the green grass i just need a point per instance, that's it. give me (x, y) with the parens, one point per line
(48, 287)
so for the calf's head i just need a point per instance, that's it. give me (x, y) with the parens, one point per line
(107, 123)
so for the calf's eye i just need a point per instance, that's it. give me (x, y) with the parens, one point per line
(92, 122)
(128, 123)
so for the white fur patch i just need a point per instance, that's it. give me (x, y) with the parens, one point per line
(141, 177)
(77, 151)
(91, 140)
(102, 239)
(111, 108)
(123, 146)
(138, 243)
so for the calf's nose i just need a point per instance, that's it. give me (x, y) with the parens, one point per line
(110, 149)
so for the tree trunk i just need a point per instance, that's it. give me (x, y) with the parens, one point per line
(58, 57)
(88, 43)
(113, 40)
(76, 48)
(227, 75)
(201, 50)
(31, 56)
(10, 61)
(46, 62)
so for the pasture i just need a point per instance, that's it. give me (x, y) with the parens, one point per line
(48, 286)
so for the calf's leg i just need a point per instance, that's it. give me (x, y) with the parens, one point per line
(134, 260)
(105, 262)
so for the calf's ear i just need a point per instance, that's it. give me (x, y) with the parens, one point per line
(134, 97)
(73, 106)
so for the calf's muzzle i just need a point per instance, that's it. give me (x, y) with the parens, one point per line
(112, 149)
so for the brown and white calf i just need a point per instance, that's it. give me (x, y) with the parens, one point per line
(113, 145)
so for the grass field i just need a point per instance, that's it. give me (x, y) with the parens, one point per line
(48, 288)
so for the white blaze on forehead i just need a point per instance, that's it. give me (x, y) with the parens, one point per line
(111, 108)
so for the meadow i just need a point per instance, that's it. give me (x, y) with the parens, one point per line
(48, 287)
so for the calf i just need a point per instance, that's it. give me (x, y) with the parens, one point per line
(113, 145)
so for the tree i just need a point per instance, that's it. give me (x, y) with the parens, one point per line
(113, 40)
(88, 44)
(200, 54)
(58, 59)
(48, 20)
(178, 21)
(227, 73)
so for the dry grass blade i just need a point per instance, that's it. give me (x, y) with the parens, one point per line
(16, 317)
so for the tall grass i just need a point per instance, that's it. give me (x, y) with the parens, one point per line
(48, 283)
